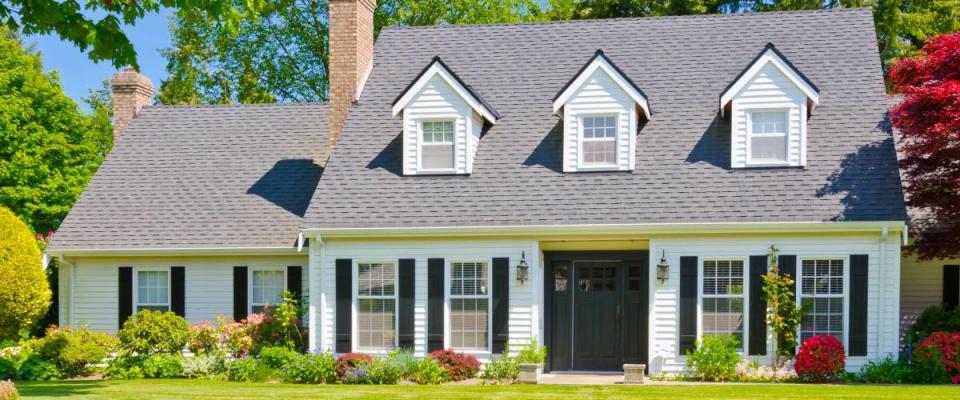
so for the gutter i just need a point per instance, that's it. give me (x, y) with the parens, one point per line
(174, 251)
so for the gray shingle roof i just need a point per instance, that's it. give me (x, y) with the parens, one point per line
(203, 177)
(683, 169)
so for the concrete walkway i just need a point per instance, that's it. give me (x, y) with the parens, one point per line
(581, 379)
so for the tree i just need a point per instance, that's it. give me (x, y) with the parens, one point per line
(903, 26)
(48, 148)
(24, 294)
(928, 119)
(783, 315)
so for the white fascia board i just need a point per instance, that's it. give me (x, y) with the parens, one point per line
(548, 231)
(172, 251)
(620, 80)
(438, 70)
(770, 57)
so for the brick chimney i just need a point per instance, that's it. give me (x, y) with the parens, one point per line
(351, 57)
(131, 91)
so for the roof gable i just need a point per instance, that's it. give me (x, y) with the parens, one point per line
(770, 55)
(601, 62)
(438, 68)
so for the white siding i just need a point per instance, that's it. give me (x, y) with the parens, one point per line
(883, 275)
(208, 285)
(522, 324)
(437, 100)
(769, 89)
(921, 287)
(599, 95)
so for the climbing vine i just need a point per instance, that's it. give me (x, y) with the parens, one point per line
(783, 314)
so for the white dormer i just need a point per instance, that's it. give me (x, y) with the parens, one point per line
(600, 108)
(442, 122)
(768, 104)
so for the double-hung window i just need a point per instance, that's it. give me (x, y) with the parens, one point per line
(599, 140)
(267, 289)
(469, 306)
(153, 290)
(768, 137)
(723, 299)
(436, 145)
(821, 293)
(376, 305)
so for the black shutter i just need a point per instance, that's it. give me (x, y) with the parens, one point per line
(501, 303)
(758, 307)
(125, 300)
(407, 291)
(177, 291)
(295, 282)
(858, 304)
(344, 321)
(240, 304)
(435, 315)
(688, 303)
(788, 266)
(951, 286)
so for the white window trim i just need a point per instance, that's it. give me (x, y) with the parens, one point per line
(250, 271)
(447, 305)
(746, 298)
(455, 119)
(581, 166)
(748, 113)
(355, 307)
(136, 288)
(846, 295)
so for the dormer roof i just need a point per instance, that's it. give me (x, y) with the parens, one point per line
(438, 68)
(600, 61)
(770, 55)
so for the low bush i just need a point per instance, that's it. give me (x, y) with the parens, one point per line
(204, 338)
(532, 353)
(148, 332)
(73, 351)
(933, 319)
(937, 358)
(163, 365)
(459, 366)
(404, 360)
(35, 368)
(278, 326)
(429, 372)
(820, 359)
(125, 367)
(203, 365)
(502, 369)
(349, 361)
(276, 357)
(715, 358)
(8, 368)
(236, 337)
(888, 371)
(248, 370)
(8, 391)
(383, 371)
(310, 368)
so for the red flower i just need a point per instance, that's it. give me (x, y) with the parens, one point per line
(821, 359)
(946, 345)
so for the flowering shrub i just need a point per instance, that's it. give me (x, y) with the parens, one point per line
(944, 346)
(278, 326)
(348, 362)
(8, 391)
(459, 366)
(204, 338)
(236, 338)
(821, 359)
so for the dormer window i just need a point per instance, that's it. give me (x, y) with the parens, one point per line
(600, 110)
(443, 120)
(768, 105)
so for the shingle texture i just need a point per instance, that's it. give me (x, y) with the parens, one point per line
(201, 177)
(683, 169)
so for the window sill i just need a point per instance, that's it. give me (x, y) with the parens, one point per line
(770, 165)
(592, 168)
(438, 172)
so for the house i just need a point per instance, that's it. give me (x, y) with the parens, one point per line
(609, 188)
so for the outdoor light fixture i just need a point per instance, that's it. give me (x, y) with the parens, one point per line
(663, 269)
(523, 270)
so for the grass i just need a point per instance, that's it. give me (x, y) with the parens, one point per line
(195, 389)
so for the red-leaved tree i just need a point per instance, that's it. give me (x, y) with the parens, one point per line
(928, 119)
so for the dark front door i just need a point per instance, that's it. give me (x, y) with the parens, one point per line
(596, 314)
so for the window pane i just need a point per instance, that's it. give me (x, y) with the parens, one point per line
(468, 323)
(375, 323)
(376, 279)
(768, 148)
(599, 152)
(468, 279)
(437, 131)
(437, 156)
(723, 316)
(600, 127)
(152, 287)
(268, 287)
(723, 277)
(822, 291)
(769, 121)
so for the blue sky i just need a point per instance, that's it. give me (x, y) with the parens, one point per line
(78, 74)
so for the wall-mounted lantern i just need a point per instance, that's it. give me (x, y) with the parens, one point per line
(663, 269)
(523, 270)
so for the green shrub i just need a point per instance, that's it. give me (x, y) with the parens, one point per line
(203, 365)
(276, 357)
(248, 369)
(8, 368)
(384, 372)
(277, 326)
(35, 368)
(459, 366)
(715, 358)
(532, 353)
(404, 360)
(888, 371)
(149, 332)
(429, 372)
(163, 365)
(933, 319)
(25, 293)
(310, 368)
(125, 367)
(8, 391)
(502, 369)
(74, 350)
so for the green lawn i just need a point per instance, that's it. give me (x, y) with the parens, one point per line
(186, 389)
